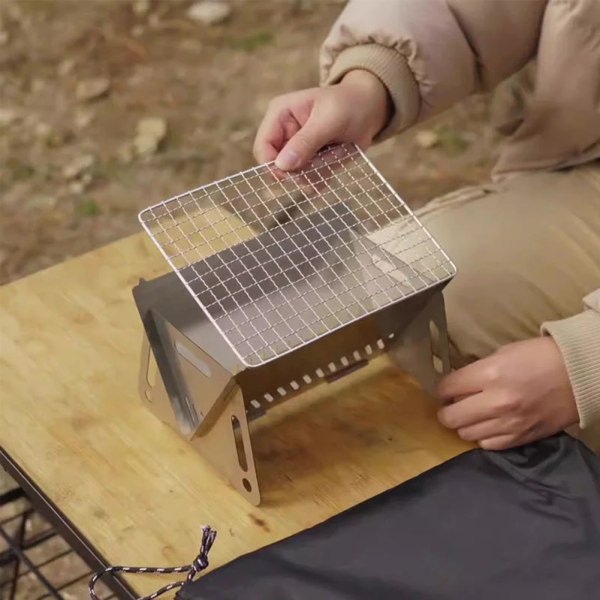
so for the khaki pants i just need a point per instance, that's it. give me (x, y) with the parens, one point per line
(527, 251)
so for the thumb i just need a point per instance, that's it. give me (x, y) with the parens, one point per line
(319, 130)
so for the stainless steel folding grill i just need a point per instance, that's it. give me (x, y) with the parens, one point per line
(280, 282)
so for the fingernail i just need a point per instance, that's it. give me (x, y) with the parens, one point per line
(288, 160)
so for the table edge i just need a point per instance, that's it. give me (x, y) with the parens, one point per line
(72, 535)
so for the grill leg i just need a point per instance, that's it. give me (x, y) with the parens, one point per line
(423, 348)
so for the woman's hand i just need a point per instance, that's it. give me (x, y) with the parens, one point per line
(297, 125)
(516, 396)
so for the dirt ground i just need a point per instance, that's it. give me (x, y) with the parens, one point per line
(77, 76)
(68, 182)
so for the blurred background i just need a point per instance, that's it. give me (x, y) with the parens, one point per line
(108, 106)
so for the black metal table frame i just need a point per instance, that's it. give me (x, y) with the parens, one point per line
(47, 509)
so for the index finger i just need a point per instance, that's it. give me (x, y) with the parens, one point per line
(464, 382)
(270, 138)
(469, 411)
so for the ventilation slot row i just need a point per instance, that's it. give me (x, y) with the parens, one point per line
(344, 362)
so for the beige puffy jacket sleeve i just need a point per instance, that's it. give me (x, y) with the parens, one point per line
(578, 338)
(430, 59)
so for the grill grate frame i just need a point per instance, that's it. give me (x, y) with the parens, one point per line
(345, 245)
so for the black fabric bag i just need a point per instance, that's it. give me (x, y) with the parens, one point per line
(521, 524)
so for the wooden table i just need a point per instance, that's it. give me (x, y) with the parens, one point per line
(129, 491)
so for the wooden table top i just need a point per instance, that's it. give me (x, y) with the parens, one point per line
(70, 416)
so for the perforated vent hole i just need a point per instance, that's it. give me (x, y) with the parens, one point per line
(436, 359)
(194, 360)
(281, 391)
(268, 398)
(345, 362)
(239, 443)
(307, 379)
(255, 403)
(356, 355)
(380, 344)
(152, 371)
(368, 349)
(320, 373)
(332, 368)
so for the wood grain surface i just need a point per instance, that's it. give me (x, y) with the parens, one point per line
(70, 416)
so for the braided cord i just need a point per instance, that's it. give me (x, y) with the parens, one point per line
(200, 563)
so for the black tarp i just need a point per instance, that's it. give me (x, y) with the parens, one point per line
(521, 524)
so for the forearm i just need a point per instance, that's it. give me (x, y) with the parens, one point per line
(578, 338)
(431, 54)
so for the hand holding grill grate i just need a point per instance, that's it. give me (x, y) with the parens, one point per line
(297, 125)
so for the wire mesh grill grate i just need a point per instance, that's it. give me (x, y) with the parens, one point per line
(278, 260)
